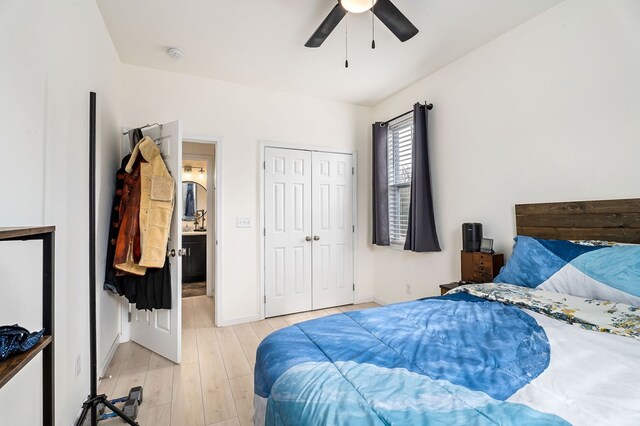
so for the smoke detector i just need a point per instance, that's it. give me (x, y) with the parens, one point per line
(175, 53)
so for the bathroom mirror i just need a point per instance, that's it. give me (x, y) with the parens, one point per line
(194, 198)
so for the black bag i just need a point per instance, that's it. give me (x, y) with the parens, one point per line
(15, 339)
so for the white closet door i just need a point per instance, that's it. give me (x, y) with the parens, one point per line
(288, 227)
(332, 229)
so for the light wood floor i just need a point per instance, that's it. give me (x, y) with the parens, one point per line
(214, 383)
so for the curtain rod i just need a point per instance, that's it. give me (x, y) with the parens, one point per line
(429, 107)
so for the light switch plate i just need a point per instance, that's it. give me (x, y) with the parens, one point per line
(243, 222)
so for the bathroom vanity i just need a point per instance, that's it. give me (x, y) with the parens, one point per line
(194, 263)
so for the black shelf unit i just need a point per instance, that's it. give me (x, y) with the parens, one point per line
(10, 367)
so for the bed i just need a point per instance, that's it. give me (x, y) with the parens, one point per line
(535, 348)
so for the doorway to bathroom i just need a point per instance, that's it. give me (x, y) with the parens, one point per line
(198, 220)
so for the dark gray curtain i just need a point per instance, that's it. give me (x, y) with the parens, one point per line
(380, 186)
(421, 231)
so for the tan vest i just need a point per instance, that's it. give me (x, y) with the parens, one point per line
(156, 203)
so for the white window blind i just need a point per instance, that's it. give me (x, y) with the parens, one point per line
(399, 150)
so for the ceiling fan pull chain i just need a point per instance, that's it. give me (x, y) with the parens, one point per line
(346, 42)
(373, 25)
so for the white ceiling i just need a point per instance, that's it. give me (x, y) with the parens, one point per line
(261, 42)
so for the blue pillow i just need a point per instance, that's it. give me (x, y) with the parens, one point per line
(594, 272)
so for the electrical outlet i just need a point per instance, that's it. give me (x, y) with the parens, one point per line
(243, 222)
(407, 288)
(78, 366)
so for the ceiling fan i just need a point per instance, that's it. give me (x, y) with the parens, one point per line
(384, 10)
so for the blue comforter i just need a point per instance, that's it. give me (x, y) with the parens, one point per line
(447, 360)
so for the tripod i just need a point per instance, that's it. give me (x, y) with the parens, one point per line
(91, 404)
(93, 400)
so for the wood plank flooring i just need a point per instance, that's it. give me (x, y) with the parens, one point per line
(214, 383)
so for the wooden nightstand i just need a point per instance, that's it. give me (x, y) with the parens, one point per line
(480, 267)
(444, 288)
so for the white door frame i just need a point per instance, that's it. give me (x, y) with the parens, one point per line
(269, 144)
(218, 263)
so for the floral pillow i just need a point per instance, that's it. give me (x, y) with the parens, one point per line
(598, 243)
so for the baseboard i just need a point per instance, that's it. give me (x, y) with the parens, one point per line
(380, 301)
(360, 300)
(109, 358)
(256, 317)
(239, 320)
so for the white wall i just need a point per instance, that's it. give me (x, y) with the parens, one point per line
(54, 53)
(240, 117)
(546, 112)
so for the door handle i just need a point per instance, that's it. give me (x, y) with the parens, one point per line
(307, 238)
(174, 252)
(316, 238)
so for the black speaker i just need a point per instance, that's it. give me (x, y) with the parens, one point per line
(471, 236)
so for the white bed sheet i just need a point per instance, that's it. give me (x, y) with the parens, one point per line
(592, 379)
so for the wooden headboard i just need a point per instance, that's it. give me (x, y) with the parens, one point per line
(611, 220)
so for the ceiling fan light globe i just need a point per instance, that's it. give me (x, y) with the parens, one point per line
(357, 6)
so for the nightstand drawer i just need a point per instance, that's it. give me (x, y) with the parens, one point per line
(481, 261)
(480, 267)
(482, 273)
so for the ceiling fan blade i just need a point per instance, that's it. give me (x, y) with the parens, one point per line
(391, 16)
(330, 22)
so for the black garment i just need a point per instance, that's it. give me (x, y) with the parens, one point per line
(111, 281)
(151, 291)
(134, 137)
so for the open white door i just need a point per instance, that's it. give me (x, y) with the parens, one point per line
(161, 330)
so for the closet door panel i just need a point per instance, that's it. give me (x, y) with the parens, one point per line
(288, 224)
(332, 200)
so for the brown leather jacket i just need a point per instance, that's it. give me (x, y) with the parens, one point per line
(128, 250)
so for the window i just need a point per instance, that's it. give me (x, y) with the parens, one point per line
(399, 140)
